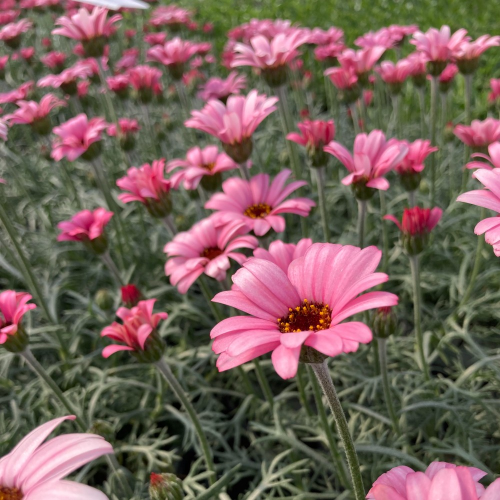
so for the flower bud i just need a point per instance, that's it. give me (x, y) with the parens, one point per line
(104, 299)
(18, 342)
(385, 322)
(239, 152)
(131, 295)
(165, 486)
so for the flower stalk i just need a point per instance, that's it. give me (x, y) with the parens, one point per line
(319, 173)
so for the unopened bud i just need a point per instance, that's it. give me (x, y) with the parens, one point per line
(165, 486)
(104, 299)
(385, 322)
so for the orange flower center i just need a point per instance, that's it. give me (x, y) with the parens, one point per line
(209, 166)
(258, 211)
(310, 316)
(10, 493)
(210, 253)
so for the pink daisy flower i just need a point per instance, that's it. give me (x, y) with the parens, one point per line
(155, 38)
(361, 62)
(171, 16)
(173, 54)
(85, 26)
(54, 60)
(282, 254)
(259, 202)
(418, 68)
(413, 162)
(129, 59)
(34, 113)
(67, 79)
(441, 480)
(11, 33)
(467, 53)
(380, 38)
(18, 94)
(125, 126)
(222, 88)
(147, 185)
(271, 56)
(325, 37)
(480, 134)
(298, 314)
(329, 52)
(448, 74)
(76, 137)
(8, 16)
(206, 248)
(345, 80)
(13, 306)
(201, 165)
(373, 157)
(314, 136)
(34, 469)
(119, 84)
(438, 46)
(487, 198)
(235, 122)
(87, 227)
(394, 74)
(146, 80)
(139, 326)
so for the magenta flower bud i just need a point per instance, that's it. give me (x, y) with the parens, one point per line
(165, 487)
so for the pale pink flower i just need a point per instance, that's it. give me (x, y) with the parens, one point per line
(206, 248)
(361, 61)
(468, 50)
(144, 77)
(236, 121)
(10, 33)
(380, 38)
(314, 136)
(479, 134)
(330, 51)
(487, 198)
(493, 158)
(3, 62)
(118, 83)
(282, 254)
(495, 90)
(222, 88)
(265, 27)
(170, 15)
(259, 202)
(32, 111)
(439, 45)
(76, 136)
(418, 64)
(300, 310)
(82, 88)
(398, 32)
(270, 54)
(18, 94)
(394, 74)
(440, 481)
(373, 157)
(343, 78)
(85, 25)
(84, 226)
(129, 59)
(126, 126)
(26, 53)
(199, 163)
(172, 52)
(139, 322)
(155, 38)
(34, 470)
(66, 79)
(54, 59)
(203, 48)
(414, 160)
(147, 184)
(13, 306)
(326, 37)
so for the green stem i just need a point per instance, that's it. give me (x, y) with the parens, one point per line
(106, 258)
(412, 198)
(205, 290)
(301, 386)
(170, 225)
(385, 236)
(355, 117)
(245, 174)
(417, 313)
(107, 97)
(39, 370)
(326, 383)
(382, 354)
(165, 370)
(421, 100)
(332, 442)
(433, 119)
(70, 185)
(287, 124)
(30, 278)
(319, 172)
(477, 266)
(263, 382)
(362, 205)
